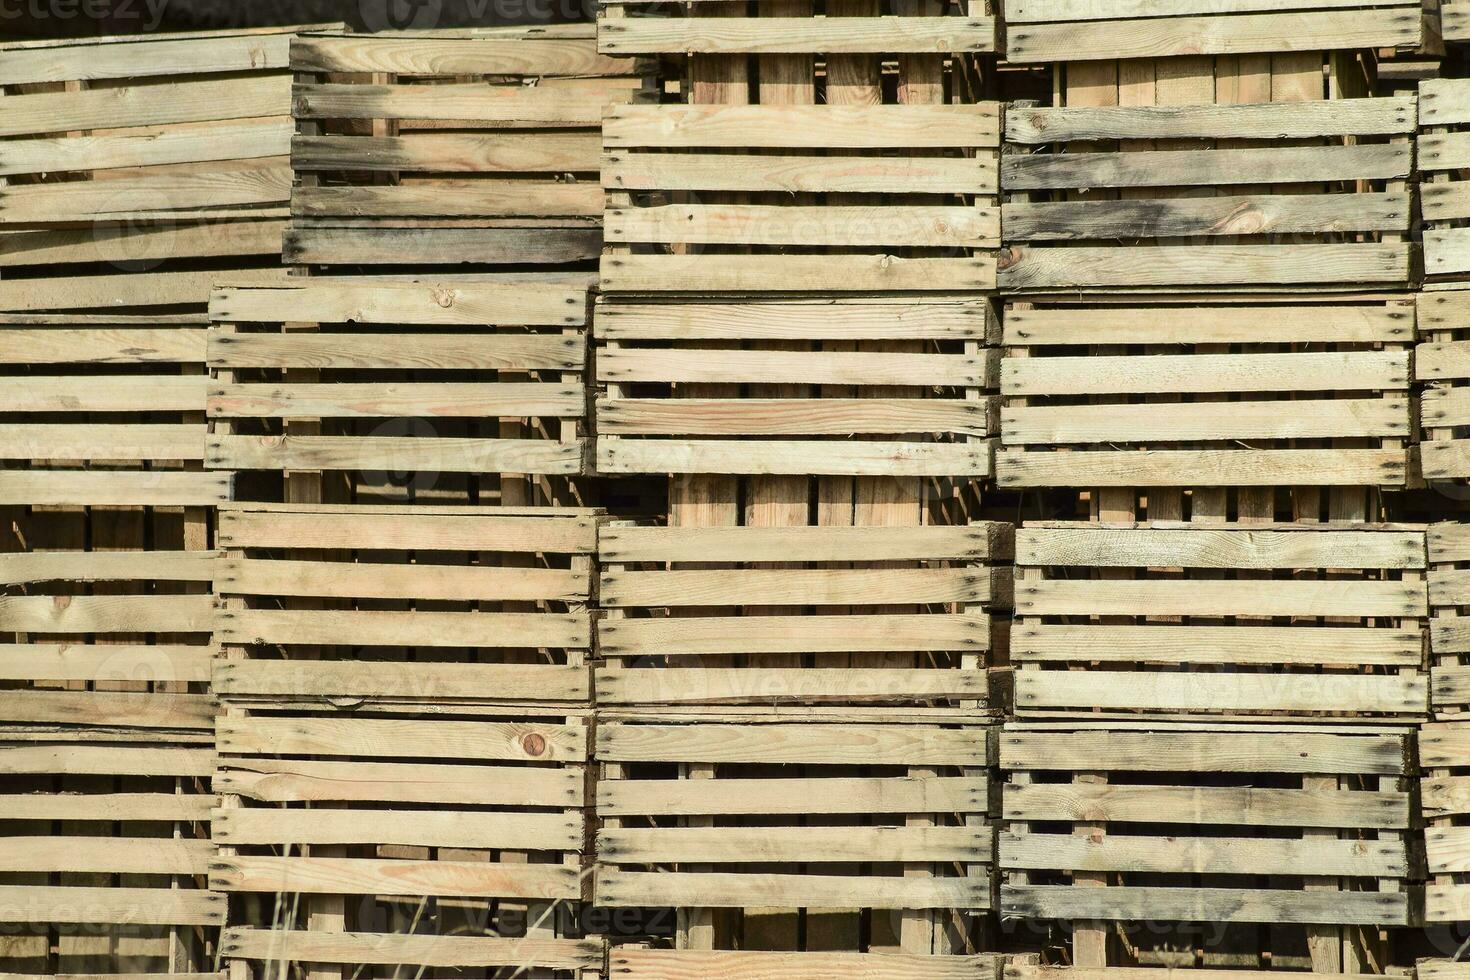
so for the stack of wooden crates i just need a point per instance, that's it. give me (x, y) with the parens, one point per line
(796, 325)
(1207, 346)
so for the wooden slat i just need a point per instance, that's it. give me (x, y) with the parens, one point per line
(432, 628)
(631, 544)
(1305, 547)
(809, 744)
(795, 35)
(1266, 121)
(391, 949)
(895, 633)
(1205, 904)
(1038, 690)
(808, 127)
(795, 587)
(147, 105)
(293, 780)
(282, 577)
(1205, 855)
(808, 458)
(459, 304)
(407, 55)
(402, 739)
(1303, 752)
(831, 795)
(108, 905)
(1204, 467)
(713, 890)
(392, 454)
(1252, 806)
(1219, 265)
(689, 964)
(105, 855)
(368, 876)
(239, 827)
(244, 526)
(436, 682)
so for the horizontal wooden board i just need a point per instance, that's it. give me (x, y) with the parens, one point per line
(123, 709)
(530, 152)
(793, 744)
(1173, 266)
(1321, 546)
(1266, 121)
(121, 344)
(150, 105)
(794, 320)
(1251, 806)
(795, 273)
(625, 365)
(114, 488)
(832, 174)
(642, 889)
(1204, 855)
(379, 245)
(1201, 751)
(108, 614)
(105, 855)
(469, 103)
(832, 795)
(381, 679)
(431, 738)
(793, 845)
(690, 964)
(336, 781)
(796, 457)
(625, 543)
(91, 443)
(1300, 646)
(1203, 373)
(1280, 214)
(693, 685)
(121, 289)
(1255, 32)
(396, 400)
(796, 35)
(112, 760)
(795, 587)
(1040, 690)
(18, 568)
(135, 57)
(559, 831)
(1352, 598)
(423, 304)
(66, 394)
(109, 807)
(393, 949)
(1204, 467)
(394, 454)
(1244, 323)
(433, 56)
(506, 352)
(1325, 418)
(108, 905)
(264, 526)
(1175, 168)
(450, 198)
(258, 192)
(1205, 904)
(807, 127)
(430, 628)
(369, 876)
(218, 143)
(928, 226)
(367, 580)
(891, 632)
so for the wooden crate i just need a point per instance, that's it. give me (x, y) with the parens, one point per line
(1449, 641)
(1442, 367)
(703, 618)
(456, 148)
(104, 410)
(1295, 825)
(423, 842)
(1181, 393)
(139, 168)
(909, 198)
(855, 835)
(1075, 30)
(117, 639)
(632, 27)
(1226, 620)
(408, 380)
(1444, 749)
(1107, 198)
(104, 853)
(1444, 197)
(448, 609)
(788, 385)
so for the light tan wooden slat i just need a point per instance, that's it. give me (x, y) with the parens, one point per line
(119, 488)
(933, 226)
(368, 876)
(497, 682)
(1172, 168)
(678, 797)
(407, 55)
(622, 888)
(105, 855)
(798, 273)
(474, 103)
(1303, 752)
(104, 662)
(1180, 597)
(1255, 32)
(1306, 546)
(142, 57)
(402, 738)
(823, 320)
(293, 780)
(1196, 373)
(109, 807)
(423, 351)
(427, 304)
(127, 709)
(1205, 904)
(102, 442)
(1204, 855)
(108, 614)
(794, 845)
(805, 744)
(795, 587)
(1038, 690)
(760, 685)
(356, 948)
(433, 828)
(459, 153)
(1268, 121)
(802, 457)
(158, 393)
(896, 633)
(392, 454)
(810, 367)
(174, 197)
(109, 905)
(809, 127)
(1205, 467)
(1205, 421)
(1234, 324)
(106, 566)
(447, 198)
(1279, 214)
(220, 143)
(444, 530)
(102, 345)
(624, 170)
(1219, 265)
(1237, 645)
(417, 581)
(794, 416)
(91, 760)
(795, 35)
(1247, 806)
(629, 544)
(686, 964)
(148, 105)
(395, 400)
(403, 628)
